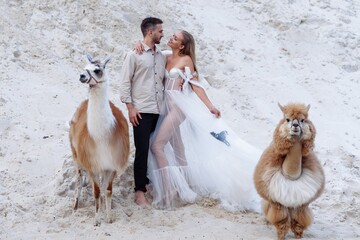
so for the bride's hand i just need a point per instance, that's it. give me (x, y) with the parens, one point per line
(215, 111)
(139, 48)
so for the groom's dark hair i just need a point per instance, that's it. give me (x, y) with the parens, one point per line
(149, 24)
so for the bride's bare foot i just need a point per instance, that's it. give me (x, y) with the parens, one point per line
(141, 200)
(170, 199)
(149, 189)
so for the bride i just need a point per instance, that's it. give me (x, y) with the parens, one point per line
(193, 152)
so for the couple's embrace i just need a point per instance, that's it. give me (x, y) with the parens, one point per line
(184, 151)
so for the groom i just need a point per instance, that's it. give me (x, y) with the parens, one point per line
(141, 89)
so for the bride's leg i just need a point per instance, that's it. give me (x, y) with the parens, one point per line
(178, 147)
(179, 152)
(166, 132)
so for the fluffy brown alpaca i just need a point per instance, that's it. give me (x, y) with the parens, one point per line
(99, 138)
(288, 175)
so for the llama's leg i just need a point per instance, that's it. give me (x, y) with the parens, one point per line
(78, 186)
(279, 216)
(96, 192)
(301, 218)
(108, 179)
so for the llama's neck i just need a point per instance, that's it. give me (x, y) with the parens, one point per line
(292, 167)
(100, 120)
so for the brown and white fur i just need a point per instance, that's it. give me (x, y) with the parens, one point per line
(288, 175)
(99, 138)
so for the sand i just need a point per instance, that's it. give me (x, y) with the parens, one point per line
(254, 54)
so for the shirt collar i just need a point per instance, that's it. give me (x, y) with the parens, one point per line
(147, 48)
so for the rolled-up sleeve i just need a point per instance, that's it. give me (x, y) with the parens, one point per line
(126, 76)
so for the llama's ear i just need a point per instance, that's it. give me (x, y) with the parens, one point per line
(308, 107)
(89, 57)
(281, 107)
(106, 60)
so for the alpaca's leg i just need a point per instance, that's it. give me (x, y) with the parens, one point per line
(301, 218)
(279, 216)
(265, 207)
(282, 227)
(108, 179)
(78, 186)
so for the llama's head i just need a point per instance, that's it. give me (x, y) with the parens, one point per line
(295, 122)
(94, 71)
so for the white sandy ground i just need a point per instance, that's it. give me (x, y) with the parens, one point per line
(253, 53)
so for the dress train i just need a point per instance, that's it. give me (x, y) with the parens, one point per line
(193, 154)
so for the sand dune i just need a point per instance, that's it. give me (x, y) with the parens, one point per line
(253, 53)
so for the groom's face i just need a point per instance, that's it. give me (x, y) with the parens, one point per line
(157, 33)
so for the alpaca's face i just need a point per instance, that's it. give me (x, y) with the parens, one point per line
(293, 125)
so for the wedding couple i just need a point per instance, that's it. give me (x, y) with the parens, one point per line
(184, 150)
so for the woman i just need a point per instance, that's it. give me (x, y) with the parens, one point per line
(193, 153)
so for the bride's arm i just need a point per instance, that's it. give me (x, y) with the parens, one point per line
(200, 92)
(138, 48)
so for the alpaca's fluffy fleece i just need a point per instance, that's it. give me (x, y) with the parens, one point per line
(286, 200)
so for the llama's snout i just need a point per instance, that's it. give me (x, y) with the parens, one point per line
(83, 78)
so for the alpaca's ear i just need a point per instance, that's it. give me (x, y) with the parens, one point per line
(308, 107)
(89, 57)
(106, 60)
(281, 107)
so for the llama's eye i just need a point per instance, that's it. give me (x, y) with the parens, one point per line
(302, 120)
(288, 120)
(97, 71)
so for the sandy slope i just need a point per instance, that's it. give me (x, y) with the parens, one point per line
(253, 53)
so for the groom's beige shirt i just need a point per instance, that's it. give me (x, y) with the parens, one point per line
(141, 80)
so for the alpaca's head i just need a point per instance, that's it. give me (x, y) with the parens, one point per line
(94, 71)
(295, 122)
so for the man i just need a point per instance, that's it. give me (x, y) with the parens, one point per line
(141, 89)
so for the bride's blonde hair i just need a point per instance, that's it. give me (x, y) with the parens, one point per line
(189, 46)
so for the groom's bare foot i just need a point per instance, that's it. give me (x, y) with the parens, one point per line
(141, 200)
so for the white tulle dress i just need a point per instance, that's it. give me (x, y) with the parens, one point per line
(194, 154)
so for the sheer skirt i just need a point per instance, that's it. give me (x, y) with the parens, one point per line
(170, 172)
(193, 154)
